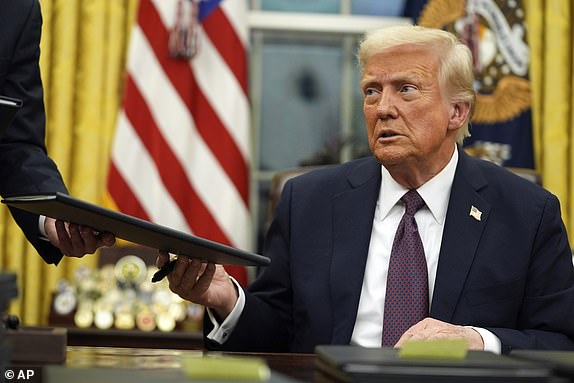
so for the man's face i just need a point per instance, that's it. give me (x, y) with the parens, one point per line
(406, 111)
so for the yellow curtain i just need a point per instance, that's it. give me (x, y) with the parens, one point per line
(551, 36)
(83, 50)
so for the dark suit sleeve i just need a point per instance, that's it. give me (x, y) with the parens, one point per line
(24, 164)
(266, 322)
(545, 319)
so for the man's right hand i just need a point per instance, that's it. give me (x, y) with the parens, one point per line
(202, 283)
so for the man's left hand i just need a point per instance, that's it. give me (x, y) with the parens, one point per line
(433, 329)
(75, 240)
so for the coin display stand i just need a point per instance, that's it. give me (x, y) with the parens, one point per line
(121, 296)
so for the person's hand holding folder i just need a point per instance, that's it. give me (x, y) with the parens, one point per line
(203, 283)
(75, 240)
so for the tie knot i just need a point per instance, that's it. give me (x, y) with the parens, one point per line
(413, 202)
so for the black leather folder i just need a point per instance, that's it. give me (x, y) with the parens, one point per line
(70, 209)
(360, 364)
(561, 362)
(8, 108)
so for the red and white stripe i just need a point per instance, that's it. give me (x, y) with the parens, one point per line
(180, 156)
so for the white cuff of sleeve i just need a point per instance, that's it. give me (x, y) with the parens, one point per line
(221, 332)
(491, 341)
(42, 228)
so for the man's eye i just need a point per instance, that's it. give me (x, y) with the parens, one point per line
(370, 91)
(408, 88)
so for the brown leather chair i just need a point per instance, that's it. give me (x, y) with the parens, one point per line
(278, 182)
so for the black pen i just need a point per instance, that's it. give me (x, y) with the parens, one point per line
(164, 271)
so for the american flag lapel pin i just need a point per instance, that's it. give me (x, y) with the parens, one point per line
(475, 213)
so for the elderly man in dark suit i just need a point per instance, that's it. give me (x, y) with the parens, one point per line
(479, 253)
(24, 165)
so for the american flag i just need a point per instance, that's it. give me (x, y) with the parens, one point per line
(181, 152)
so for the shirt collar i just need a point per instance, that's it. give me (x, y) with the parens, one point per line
(435, 192)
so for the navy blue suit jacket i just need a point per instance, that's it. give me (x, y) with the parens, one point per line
(511, 272)
(24, 165)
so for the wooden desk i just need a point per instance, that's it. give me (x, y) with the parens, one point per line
(154, 361)
(179, 340)
(103, 344)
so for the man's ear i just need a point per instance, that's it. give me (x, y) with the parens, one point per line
(458, 114)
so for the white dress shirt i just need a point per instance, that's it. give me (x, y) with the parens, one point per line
(430, 220)
(388, 213)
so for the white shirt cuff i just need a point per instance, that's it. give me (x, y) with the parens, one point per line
(491, 341)
(221, 332)
(42, 228)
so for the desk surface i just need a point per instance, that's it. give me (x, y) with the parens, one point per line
(181, 340)
(167, 363)
(142, 365)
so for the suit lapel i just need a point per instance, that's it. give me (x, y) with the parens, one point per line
(462, 233)
(353, 212)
